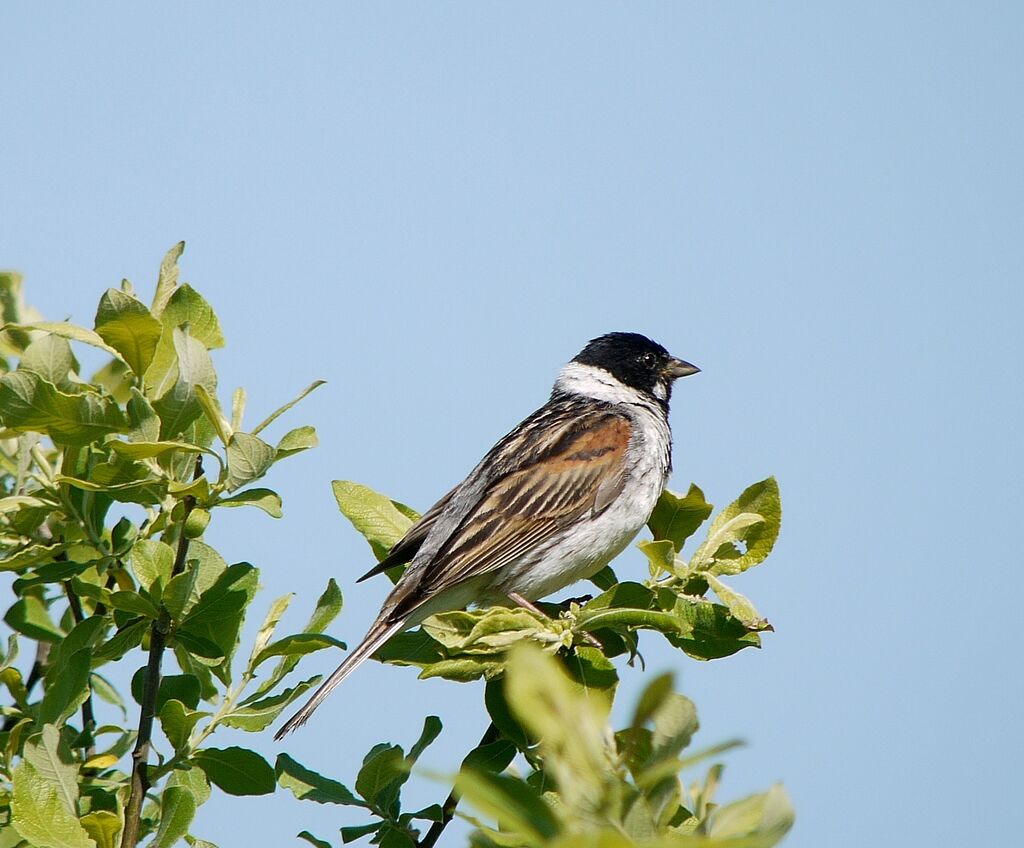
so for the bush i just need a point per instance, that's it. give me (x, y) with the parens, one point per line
(108, 487)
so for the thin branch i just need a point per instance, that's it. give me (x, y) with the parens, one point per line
(492, 734)
(88, 715)
(140, 783)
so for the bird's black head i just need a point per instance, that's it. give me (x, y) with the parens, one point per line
(636, 361)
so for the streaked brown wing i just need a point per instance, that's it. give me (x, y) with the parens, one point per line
(579, 468)
(406, 547)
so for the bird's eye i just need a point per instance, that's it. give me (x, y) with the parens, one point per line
(648, 359)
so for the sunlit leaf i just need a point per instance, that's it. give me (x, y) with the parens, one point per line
(743, 533)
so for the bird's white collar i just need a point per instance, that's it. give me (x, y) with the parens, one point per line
(591, 381)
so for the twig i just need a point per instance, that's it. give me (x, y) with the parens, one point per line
(140, 784)
(88, 716)
(492, 734)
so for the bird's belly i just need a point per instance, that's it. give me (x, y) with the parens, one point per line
(586, 548)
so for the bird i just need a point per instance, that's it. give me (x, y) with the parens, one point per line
(553, 502)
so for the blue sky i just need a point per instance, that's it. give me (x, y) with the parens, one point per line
(433, 206)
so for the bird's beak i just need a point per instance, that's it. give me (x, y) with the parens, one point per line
(676, 368)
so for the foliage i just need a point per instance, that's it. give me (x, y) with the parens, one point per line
(549, 693)
(107, 486)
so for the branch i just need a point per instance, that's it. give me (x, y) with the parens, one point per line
(88, 716)
(140, 783)
(492, 734)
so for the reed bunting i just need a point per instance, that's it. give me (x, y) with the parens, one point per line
(551, 503)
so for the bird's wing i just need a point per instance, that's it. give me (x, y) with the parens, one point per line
(571, 465)
(406, 547)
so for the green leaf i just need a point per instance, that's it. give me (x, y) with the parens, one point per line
(312, 840)
(766, 817)
(145, 424)
(383, 766)
(501, 715)
(740, 607)
(31, 556)
(68, 690)
(214, 414)
(675, 722)
(178, 722)
(430, 732)
(147, 450)
(218, 614)
(30, 403)
(39, 815)
(463, 669)
(30, 617)
(296, 441)
(126, 639)
(676, 518)
(661, 556)
(181, 592)
(103, 828)
(297, 645)
(249, 458)
(489, 631)
(266, 631)
(67, 331)
(652, 699)
(237, 771)
(413, 647)
(277, 413)
(494, 757)
(127, 325)
(51, 358)
(179, 406)
(187, 306)
(177, 809)
(266, 499)
(180, 687)
(373, 515)
(743, 533)
(194, 780)
(513, 803)
(570, 726)
(152, 561)
(258, 715)
(328, 606)
(712, 630)
(592, 673)
(307, 785)
(52, 760)
(133, 602)
(168, 278)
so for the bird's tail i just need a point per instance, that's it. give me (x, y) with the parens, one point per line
(379, 633)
